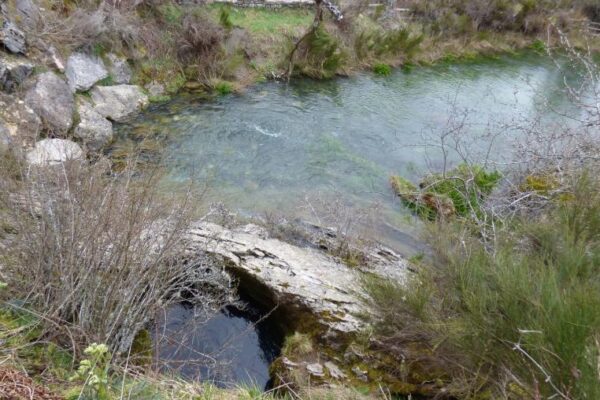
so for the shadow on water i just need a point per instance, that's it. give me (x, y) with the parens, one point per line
(234, 346)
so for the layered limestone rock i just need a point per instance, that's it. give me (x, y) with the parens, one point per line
(298, 277)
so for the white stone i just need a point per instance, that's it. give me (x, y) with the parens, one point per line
(118, 102)
(49, 152)
(83, 71)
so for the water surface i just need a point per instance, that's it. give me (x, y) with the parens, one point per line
(284, 148)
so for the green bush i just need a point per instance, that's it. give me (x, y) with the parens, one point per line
(382, 69)
(520, 318)
(459, 191)
(223, 87)
(391, 43)
(322, 55)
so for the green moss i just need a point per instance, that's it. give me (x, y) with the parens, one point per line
(297, 345)
(142, 348)
(539, 183)
(538, 46)
(108, 81)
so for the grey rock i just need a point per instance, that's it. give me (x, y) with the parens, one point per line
(118, 102)
(93, 129)
(13, 38)
(48, 152)
(315, 369)
(52, 100)
(28, 13)
(296, 277)
(334, 371)
(13, 72)
(119, 69)
(83, 71)
(21, 122)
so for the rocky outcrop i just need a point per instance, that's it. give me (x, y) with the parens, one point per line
(52, 100)
(13, 72)
(118, 102)
(20, 121)
(83, 71)
(13, 38)
(93, 129)
(297, 277)
(50, 152)
(119, 69)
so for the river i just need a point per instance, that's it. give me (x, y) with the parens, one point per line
(314, 150)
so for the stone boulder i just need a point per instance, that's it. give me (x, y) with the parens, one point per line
(49, 152)
(297, 278)
(13, 72)
(83, 71)
(13, 38)
(118, 102)
(28, 13)
(119, 69)
(93, 129)
(20, 121)
(51, 98)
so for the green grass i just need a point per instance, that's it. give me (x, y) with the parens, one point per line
(268, 21)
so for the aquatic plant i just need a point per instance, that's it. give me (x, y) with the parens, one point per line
(459, 191)
(382, 69)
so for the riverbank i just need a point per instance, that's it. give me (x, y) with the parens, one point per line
(84, 258)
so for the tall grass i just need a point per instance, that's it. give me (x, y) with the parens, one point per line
(520, 319)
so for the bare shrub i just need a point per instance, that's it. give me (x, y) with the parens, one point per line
(102, 253)
(201, 41)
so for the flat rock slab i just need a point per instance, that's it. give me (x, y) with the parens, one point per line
(296, 276)
(83, 71)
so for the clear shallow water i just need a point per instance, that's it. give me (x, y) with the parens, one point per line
(288, 149)
(279, 148)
